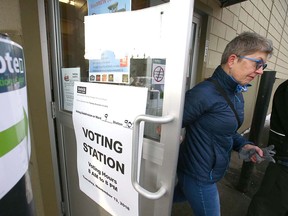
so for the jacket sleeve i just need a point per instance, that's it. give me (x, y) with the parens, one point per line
(239, 141)
(195, 105)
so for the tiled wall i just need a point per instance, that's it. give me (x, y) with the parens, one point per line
(266, 17)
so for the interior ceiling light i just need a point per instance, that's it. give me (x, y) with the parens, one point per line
(71, 2)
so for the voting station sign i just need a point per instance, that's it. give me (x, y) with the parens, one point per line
(15, 145)
(103, 118)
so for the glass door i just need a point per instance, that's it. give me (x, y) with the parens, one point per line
(163, 72)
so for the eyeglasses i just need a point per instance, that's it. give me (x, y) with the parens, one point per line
(259, 62)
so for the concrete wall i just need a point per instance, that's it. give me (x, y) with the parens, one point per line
(10, 21)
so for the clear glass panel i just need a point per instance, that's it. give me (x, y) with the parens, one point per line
(150, 73)
(189, 80)
(72, 36)
(144, 72)
(72, 13)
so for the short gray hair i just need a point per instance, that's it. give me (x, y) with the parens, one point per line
(247, 43)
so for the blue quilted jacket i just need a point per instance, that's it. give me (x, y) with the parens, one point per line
(211, 129)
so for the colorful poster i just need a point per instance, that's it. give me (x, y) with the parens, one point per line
(108, 6)
(109, 69)
(103, 121)
(15, 145)
(69, 76)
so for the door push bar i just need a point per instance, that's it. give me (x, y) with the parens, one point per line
(135, 152)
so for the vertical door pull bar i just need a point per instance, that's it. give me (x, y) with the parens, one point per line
(135, 150)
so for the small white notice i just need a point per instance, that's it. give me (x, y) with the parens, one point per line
(69, 76)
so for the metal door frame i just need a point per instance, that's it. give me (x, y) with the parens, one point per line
(181, 53)
(194, 53)
(59, 116)
(48, 85)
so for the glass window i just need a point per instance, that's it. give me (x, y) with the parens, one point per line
(146, 72)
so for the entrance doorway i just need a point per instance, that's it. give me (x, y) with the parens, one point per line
(164, 100)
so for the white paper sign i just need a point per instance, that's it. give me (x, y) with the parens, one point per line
(69, 76)
(103, 118)
(139, 33)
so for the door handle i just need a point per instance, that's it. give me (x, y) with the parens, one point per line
(135, 150)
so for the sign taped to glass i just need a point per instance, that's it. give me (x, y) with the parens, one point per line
(103, 122)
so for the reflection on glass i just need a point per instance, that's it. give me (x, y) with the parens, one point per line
(144, 72)
(149, 73)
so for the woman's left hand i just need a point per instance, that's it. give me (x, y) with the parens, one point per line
(249, 147)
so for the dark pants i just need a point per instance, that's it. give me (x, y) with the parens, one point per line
(272, 197)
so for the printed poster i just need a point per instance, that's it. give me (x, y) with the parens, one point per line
(103, 118)
(109, 68)
(108, 6)
(69, 76)
(15, 147)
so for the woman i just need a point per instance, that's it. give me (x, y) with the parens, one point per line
(211, 124)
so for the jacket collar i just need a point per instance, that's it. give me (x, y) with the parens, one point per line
(228, 82)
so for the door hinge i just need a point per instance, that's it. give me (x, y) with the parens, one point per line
(53, 110)
(62, 208)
